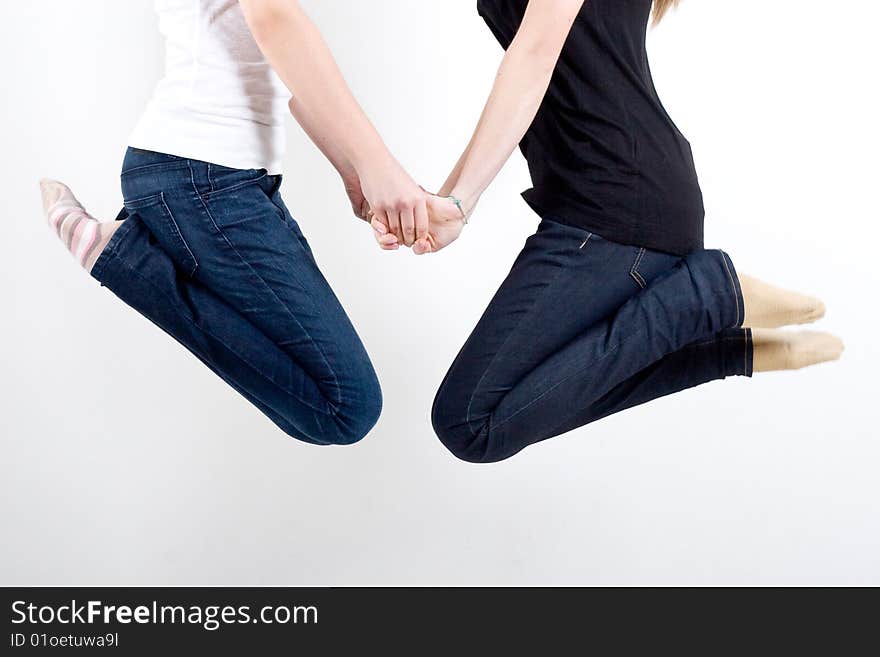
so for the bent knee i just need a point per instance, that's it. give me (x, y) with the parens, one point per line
(345, 424)
(467, 442)
(356, 419)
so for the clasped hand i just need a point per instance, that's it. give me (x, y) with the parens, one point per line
(403, 214)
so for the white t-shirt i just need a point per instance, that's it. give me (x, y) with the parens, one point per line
(219, 101)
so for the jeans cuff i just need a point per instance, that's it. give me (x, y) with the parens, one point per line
(739, 352)
(110, 250)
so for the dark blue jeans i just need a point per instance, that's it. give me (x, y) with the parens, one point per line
(212, 256)
(583, 328)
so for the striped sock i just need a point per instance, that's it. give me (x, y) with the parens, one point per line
(83, 235)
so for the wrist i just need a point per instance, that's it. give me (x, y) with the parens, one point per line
(447, 188)
(348, 173)
(467, 200)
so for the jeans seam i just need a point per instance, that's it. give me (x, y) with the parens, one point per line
(504, 344)
(137, 274)
(336, 385)
(136, 204)
(232, 188)
(566, 379)
(179, 235)
(733, 284)
(713, 341)
(110, 250)
(176, 164)
(634, 273)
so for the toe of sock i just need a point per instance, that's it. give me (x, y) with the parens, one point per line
(53, 192)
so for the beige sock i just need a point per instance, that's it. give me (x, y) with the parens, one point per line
(768, 306)
(83, 235)
(777, 350)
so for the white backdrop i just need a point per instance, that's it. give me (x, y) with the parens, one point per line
(126, 461)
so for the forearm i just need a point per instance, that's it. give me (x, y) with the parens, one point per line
(322, 101)
(453, 178)
(517, 95)
(325, 138)
(519, 90)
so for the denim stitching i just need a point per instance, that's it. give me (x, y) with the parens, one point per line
(232, 188)
(566, 379)
(582, 369)
(633, 272)
(138, 203)
(708, 342)
(176, 227)
(336, 385)
(109, 252)
(159, 200)
(579, 371)
(177, 164)
(733, 283)
(468, 419)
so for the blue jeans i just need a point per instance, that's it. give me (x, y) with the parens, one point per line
(583, 328)
(212, 256)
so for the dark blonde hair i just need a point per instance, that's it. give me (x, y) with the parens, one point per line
(661, 7)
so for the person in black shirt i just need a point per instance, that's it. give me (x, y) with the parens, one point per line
(614, 301)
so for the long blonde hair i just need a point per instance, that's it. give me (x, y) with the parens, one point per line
(661, 7)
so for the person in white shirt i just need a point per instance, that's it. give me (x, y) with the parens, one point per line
(206, 248)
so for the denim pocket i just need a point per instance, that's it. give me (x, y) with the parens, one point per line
(648, 265)
(157, 216)
(223, 179)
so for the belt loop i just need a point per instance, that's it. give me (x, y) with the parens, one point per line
(201, 176)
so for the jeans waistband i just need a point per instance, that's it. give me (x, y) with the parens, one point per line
(137, 159)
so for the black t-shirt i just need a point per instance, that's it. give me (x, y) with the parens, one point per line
(603, 153)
